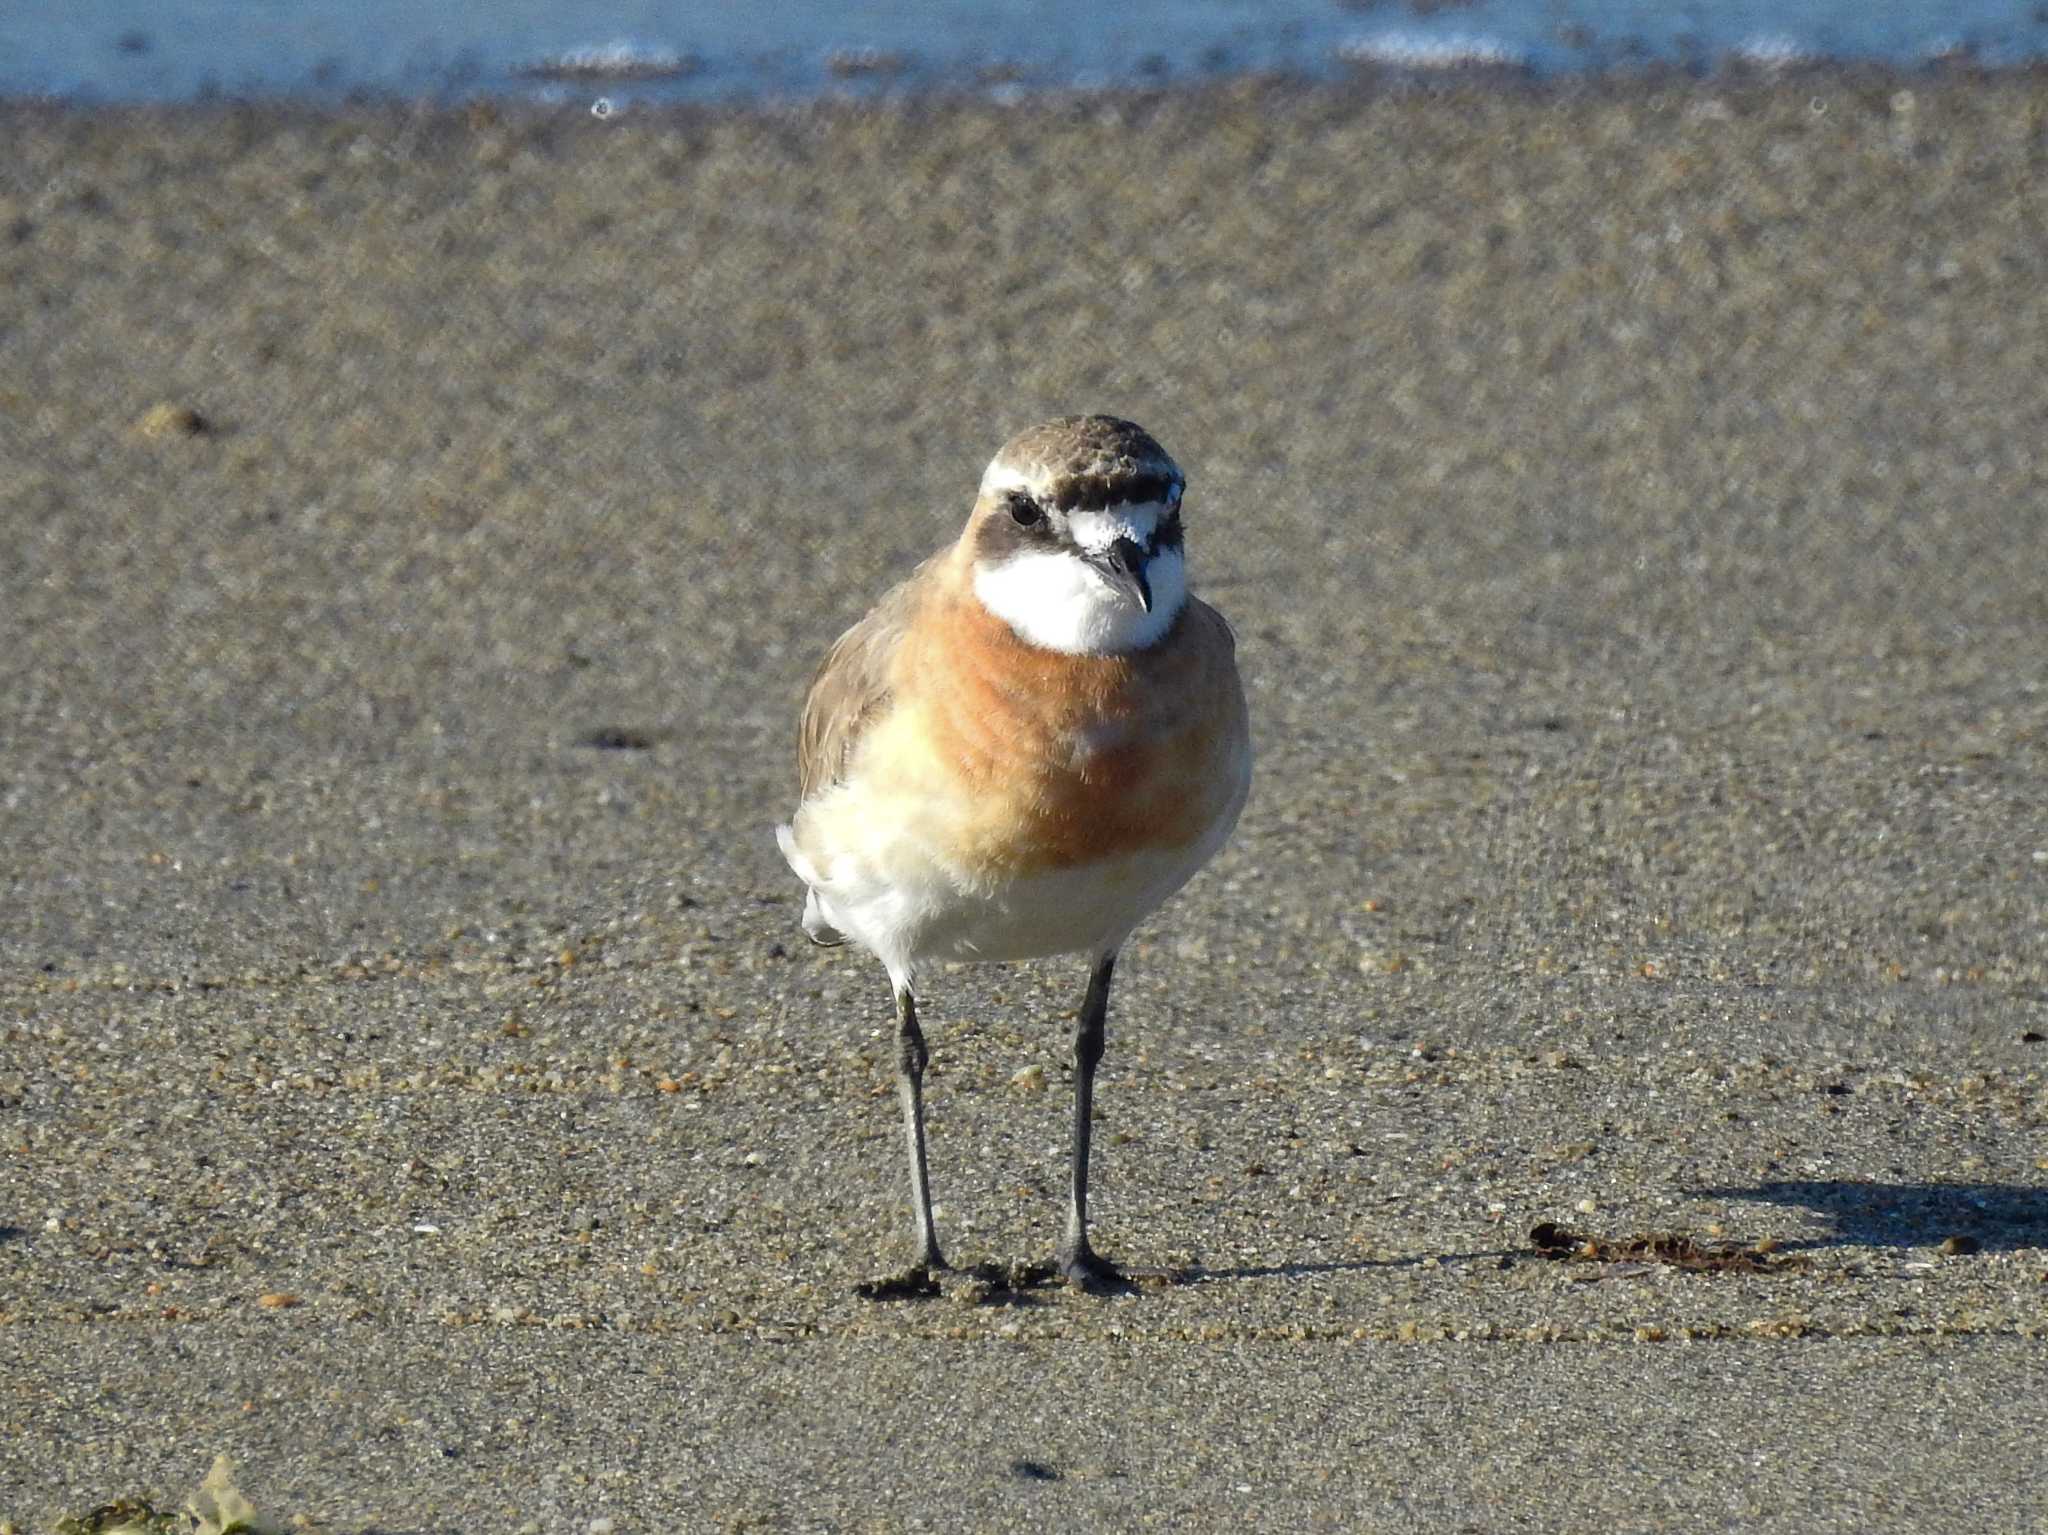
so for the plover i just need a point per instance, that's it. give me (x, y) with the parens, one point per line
(1023, 750)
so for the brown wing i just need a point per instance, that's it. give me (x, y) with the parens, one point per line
(851, 686)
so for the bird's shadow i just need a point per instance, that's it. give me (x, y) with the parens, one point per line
(1034, 1284)
(1989, 1217)
(1996, 1217)
(1195, 1274)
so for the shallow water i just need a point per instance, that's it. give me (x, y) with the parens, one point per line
(667, 50)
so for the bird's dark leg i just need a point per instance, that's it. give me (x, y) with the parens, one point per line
(911, 1056)
(1077, 1260)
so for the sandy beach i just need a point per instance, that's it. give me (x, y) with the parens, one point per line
(417, 530)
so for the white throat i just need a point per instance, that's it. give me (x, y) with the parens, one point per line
(1055, 599)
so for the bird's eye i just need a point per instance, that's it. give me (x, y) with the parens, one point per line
(1024, 511)
(1169, 530)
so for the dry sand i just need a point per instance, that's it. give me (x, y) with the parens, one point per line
(416, 531)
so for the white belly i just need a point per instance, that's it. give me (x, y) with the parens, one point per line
(893, 893)
(1090, 908)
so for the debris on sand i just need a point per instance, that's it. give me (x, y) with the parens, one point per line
(1671, 1249)
(217, 1508)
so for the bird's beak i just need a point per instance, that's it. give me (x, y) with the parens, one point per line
(1123, 563)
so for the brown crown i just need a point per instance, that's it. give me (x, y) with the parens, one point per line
(1089, 462)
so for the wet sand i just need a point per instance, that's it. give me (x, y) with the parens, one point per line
(418, 530)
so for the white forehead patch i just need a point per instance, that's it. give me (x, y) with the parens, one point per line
(1096, 531)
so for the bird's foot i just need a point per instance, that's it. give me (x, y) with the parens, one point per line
(1089, 1270)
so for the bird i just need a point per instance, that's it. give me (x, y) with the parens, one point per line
(1022, 751)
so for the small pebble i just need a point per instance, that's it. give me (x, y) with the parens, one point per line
(165, 420)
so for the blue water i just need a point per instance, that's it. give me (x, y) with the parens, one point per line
(616, 54)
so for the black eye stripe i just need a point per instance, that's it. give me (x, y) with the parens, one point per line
(1092, 493)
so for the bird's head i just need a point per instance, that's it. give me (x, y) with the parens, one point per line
(1075, 540)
